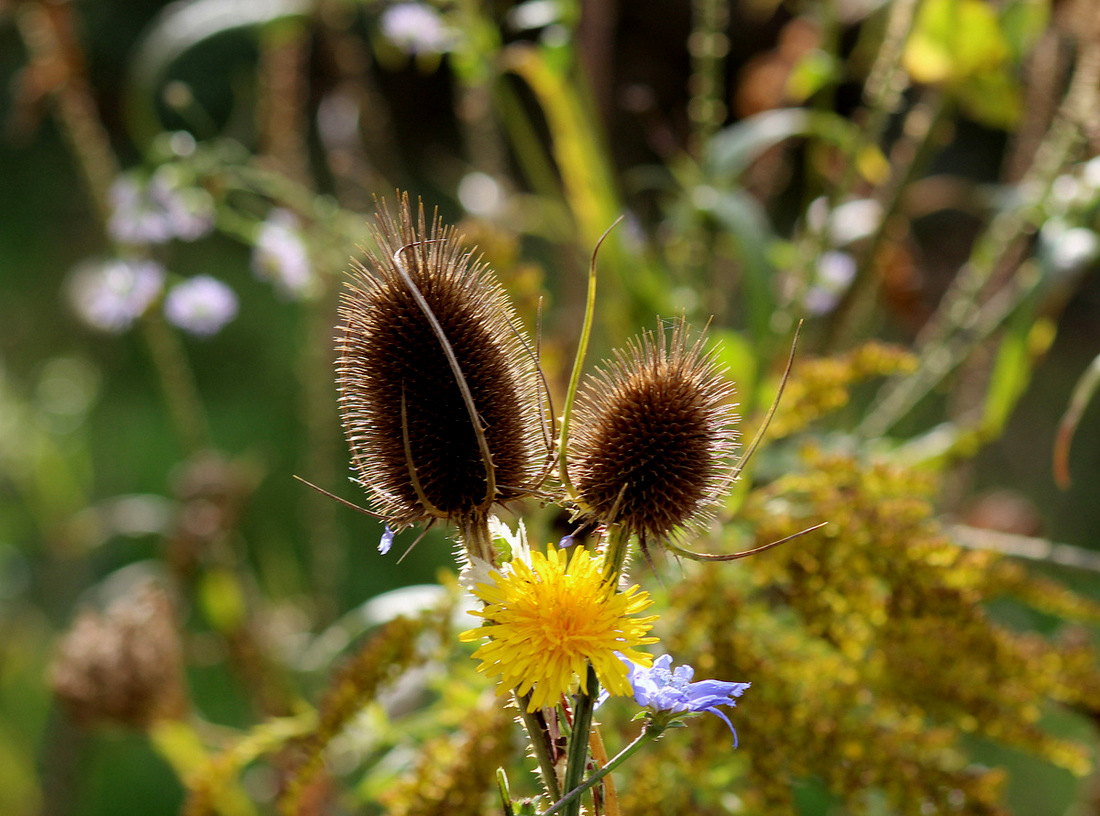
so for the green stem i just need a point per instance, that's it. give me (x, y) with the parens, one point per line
(882, 96)
(648, 735)
(178, 383)
(708, 46)
(577, 756)
(540, 744)
(921, 131)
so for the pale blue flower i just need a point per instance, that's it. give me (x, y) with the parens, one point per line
(834, 272)
(201, 305)
(280, 255)
(416, 28)
(670, 692)
(156, 210)
(111, 295)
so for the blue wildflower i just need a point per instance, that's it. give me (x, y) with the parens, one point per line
(670, 693)
(201, 305)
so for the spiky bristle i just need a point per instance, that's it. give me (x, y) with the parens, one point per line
(653, 436)
(414, 445)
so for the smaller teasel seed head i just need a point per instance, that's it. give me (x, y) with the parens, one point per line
(439, 394)
(653, 436)
(124, 666)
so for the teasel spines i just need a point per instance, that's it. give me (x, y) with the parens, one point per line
(653, 436)
(428, 344)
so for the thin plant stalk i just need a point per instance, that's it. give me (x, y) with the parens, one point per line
(709, 45)
(577, 757)
(649, 734)
(882, 96)
(961, 323)
(540, 744)
(177, 382)
(922, 128)
(599, 756)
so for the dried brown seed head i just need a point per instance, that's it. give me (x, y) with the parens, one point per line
(125, 666)
(653, 436)
(428, 345)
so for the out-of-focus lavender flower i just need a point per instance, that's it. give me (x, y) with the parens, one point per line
(111, 295)
(416, 28)
(280, 255)
(834, 272)
(201, 305)
(158, 210)
(669, 693)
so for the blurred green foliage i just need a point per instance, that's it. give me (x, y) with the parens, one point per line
(919, 181)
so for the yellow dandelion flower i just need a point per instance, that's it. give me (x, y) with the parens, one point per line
(548, 618)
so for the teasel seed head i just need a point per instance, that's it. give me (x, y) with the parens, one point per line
(653, 437)
(439, 391)
(124, 666)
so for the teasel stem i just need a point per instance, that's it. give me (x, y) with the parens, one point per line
(578, 363)
(539, 738)
(476, 538)
(600, 758)
(577, 757)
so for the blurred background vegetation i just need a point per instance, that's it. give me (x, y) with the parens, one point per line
(918, 174)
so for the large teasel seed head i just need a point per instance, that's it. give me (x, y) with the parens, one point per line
(653, 436)
(428, 345)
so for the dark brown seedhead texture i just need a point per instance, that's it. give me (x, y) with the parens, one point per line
(413, 441)
(653, 436)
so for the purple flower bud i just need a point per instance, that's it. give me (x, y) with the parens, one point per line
(201, 305)
(387, 540)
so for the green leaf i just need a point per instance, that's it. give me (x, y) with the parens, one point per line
(954, 39)
(811, 73)
(1023, 22)
(733, 149)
